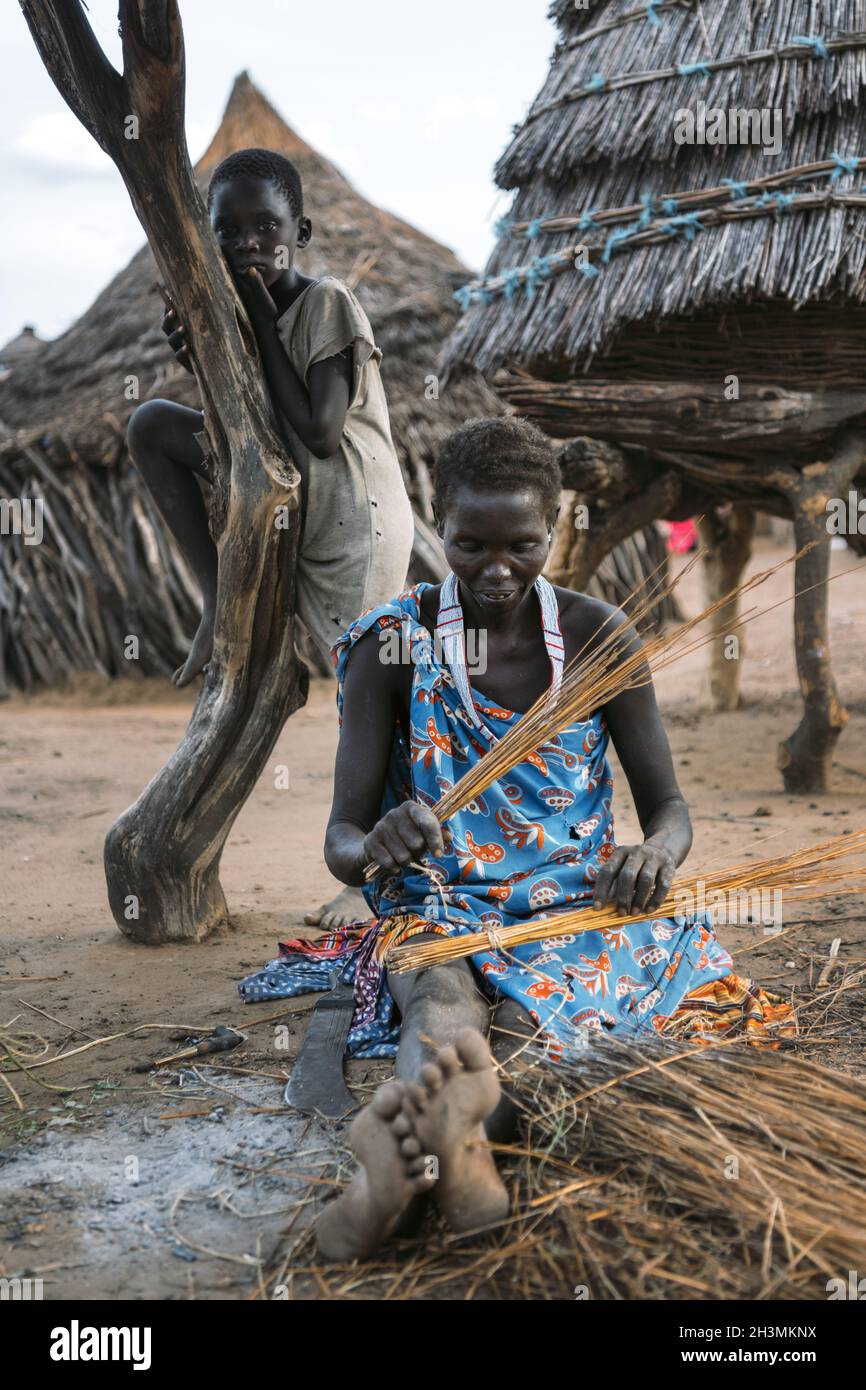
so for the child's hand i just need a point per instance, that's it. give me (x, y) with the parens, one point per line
(406, 833)
(256, 296)
(176, 334)
(636, 878)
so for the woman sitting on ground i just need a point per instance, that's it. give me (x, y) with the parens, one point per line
(539, 841)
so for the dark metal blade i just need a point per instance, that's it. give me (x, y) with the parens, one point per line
(316, 1085)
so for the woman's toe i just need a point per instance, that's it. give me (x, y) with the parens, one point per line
(432, 1077)
(448, 1061)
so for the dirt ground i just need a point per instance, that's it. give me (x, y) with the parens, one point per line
(115, 1183)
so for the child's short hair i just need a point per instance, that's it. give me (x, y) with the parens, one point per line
(261, 164)
(498, 453)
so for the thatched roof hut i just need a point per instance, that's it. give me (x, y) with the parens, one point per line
(681, 277)
(693, 268)
(74, 387)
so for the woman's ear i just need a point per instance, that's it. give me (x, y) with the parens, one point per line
(552, 527)
(436, 521)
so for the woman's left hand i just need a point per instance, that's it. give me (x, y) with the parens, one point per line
(636, 878)
(256, 296)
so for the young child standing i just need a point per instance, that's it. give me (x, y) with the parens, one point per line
(321, 364)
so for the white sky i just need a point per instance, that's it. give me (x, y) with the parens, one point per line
(413, 101)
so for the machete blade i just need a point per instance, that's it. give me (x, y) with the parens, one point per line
(316, 1085)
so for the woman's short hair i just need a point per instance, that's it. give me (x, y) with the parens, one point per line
(500, 453)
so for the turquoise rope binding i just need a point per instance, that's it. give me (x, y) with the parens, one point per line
(737, 187)
(843, 166)
(813, 41)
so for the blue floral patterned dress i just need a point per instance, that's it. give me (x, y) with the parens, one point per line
(531, 846)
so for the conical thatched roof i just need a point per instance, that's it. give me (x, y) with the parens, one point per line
(600, 137)
(404, 279)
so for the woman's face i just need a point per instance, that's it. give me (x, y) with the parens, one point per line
(496, 542)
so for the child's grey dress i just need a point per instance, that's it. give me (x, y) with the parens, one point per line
(358, 530)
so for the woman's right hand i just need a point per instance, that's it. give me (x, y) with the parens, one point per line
(405, 833)
(176, 334)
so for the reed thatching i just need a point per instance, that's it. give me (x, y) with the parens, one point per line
(614, 147)
(646, 1172)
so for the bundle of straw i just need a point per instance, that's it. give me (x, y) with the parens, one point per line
(648, 1172)
(791, 873)
(604, 667)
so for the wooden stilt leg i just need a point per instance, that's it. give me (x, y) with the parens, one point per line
(805, 757)
(726, 534)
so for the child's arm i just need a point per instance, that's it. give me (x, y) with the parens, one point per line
(638, 877)
(317, 416)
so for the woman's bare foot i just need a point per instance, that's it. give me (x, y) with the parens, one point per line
(446, 1110)
(200, 652)
(348, 906)
(392, 1173)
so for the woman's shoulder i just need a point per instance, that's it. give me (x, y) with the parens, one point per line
(583, 616)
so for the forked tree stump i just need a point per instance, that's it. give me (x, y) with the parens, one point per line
(162, 857)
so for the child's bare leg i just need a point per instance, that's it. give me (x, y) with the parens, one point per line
(160, 437)
(451, 1089)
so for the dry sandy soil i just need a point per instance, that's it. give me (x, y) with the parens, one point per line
(108, 1186)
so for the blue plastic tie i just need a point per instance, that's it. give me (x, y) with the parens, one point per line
(513, 281)
(690, 69)
(588, 269)
(596, 83)
(689, 223)
(534, 228)
(648, 211)
(781, 200)
(669, 205)
(539, 269)
(738, 189)
(621, 234)
(464, 296)
(651, 7)
(586, 223)
(843, 166)
(813, 41)
(502, 226)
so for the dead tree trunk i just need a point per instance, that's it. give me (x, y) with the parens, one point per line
(805, 757)
(162, 856)
(727, 537)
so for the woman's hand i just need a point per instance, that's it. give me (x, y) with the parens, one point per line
(177, 338)
(256, 297)
(406, 833)
(636, 878)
